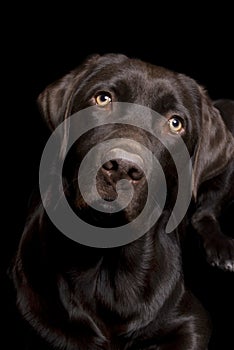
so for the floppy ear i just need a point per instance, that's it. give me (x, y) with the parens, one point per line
(215, 146)
(55, 102)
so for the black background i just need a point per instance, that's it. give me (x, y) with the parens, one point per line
(41, 45)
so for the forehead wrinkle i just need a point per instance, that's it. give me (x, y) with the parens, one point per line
(158, 94)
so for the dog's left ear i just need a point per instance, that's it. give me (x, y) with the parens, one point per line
(215, 146)
(55, 101)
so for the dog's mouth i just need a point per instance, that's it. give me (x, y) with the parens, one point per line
(103, 217)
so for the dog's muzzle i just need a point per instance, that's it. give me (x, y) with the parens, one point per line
(116, 173)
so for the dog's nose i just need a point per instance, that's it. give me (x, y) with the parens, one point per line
(122, 169)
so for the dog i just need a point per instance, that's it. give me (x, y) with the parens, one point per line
(131, 296)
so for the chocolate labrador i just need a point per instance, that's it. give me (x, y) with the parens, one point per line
(130, 296)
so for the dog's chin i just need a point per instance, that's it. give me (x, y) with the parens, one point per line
(103, 218)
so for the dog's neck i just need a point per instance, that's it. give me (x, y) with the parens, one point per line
(117, 280)
(116, 283)
(71, 254)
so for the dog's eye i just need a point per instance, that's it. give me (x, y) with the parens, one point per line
(103, 99)
(175, 124)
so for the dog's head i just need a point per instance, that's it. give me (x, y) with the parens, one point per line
(187, 113)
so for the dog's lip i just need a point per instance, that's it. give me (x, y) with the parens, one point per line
(106, 204)
(119, 153)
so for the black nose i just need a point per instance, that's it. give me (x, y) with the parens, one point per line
(122, 169)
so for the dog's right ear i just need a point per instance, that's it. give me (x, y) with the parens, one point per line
(55, 101)
(215, 149)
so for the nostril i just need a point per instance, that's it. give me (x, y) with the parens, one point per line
(110, 165)
(121, 168)
(135, 174)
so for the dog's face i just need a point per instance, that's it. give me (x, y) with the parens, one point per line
(187, 113)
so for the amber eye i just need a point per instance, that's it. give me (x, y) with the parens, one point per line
(175, 124)
(103, 99)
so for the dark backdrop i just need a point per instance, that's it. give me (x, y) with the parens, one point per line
(40, 47)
